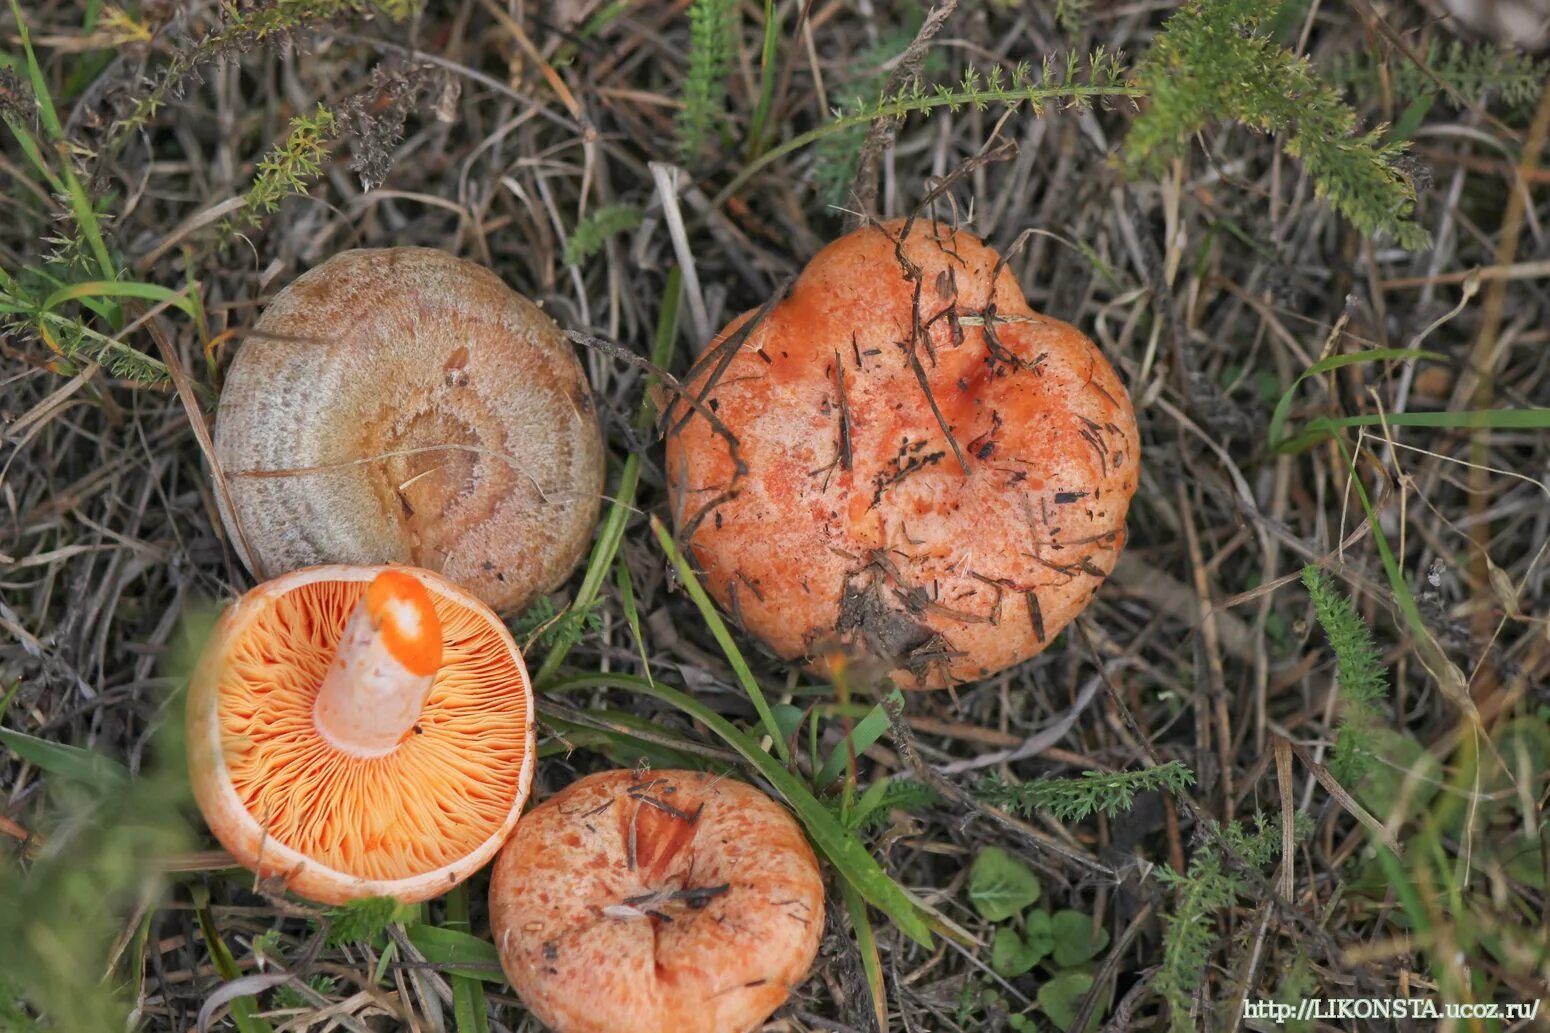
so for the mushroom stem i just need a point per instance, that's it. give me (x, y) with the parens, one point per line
(383, 670)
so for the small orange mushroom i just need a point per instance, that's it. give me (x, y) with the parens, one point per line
(361, 731)
(402, 405)
(926, 473)
(666, 902)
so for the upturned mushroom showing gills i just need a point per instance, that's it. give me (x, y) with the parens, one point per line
(406, 406)
(666, 902)
(361, 731)
(902, 461)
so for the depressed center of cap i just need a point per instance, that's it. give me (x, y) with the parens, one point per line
(383, 669)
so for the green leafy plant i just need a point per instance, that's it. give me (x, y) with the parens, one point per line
(1214, 61)
(836, 156)
(1000, 885)
(1363, 680)
(288, 170)
(1189, 933)
(593, 232)
(713, 33)
(885, 795)
(1003, 890)
(1076, 940)
(287, 996)
(364, 920)
(1072, 799)
(1066, 937)
(68, 301)
(1061, 995)
(63, 940)
(1073, 82)
(1013, 953)
(1200, 893)
(1473, 73)
(544, 625)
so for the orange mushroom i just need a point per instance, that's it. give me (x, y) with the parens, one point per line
(361, 731)
(666, 902)
(406, 406)
(926, 472)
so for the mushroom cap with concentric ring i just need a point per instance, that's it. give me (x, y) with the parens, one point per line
(402, 405)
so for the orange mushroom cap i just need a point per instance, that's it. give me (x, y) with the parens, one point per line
(669, 902)
(860, 527)
(361, 731)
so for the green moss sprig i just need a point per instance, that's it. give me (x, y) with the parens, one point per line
(1072, 799)
(1362, 678)
(592, 232)
(714, 27)
(1214, 61)
(288, 170)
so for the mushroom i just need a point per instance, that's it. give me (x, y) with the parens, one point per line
(927, 472)
(406, 406)
(361, 731)
(664, 902)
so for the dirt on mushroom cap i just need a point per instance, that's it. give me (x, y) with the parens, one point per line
(278, 796)
(402, 405)
(859, 523)
(669, 902)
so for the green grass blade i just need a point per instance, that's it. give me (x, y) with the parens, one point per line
(1283, 407)
(118, 289)
(723, 637)
(611, 533)
(86, 218)
(80, 204)
(459, 954)
(46, 113)
(34, 154)
(469, 1009)
(866, 941)
(843, 850)
(1465, 419)
(866, 732)
(72, 762)
(114, 354)
(1404, 888)
(629, 739)
(626, 588)
(761, 113)
(870, 800)
(244, 1010)
(1430, 653)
